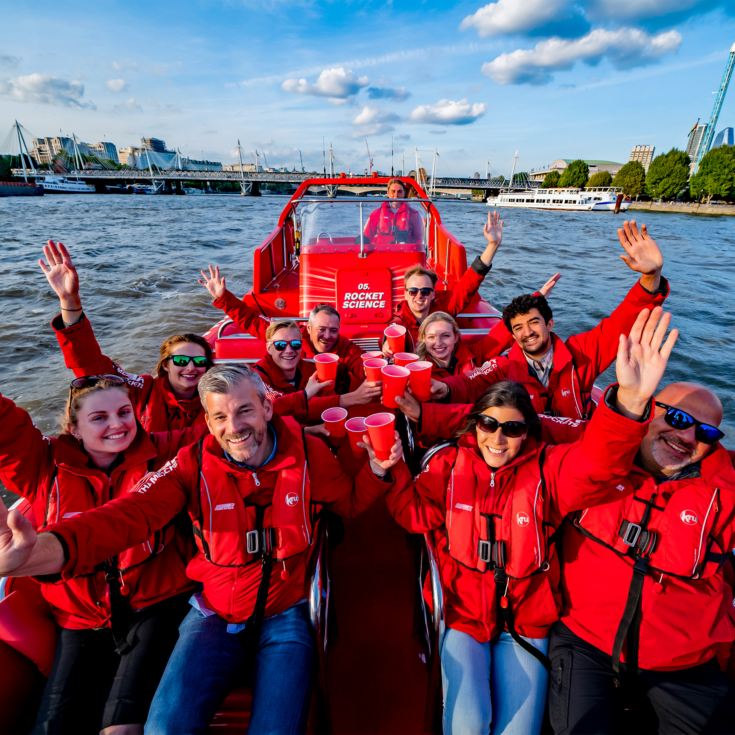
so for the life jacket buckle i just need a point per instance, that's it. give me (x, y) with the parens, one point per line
(638, 538)
(260, 541)
(630, 533)
(492, 553)
(485, 551)
(252, 540)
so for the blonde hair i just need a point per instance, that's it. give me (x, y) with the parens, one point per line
(177, 339)
(274, 327)
(70, 418)
(435, 316)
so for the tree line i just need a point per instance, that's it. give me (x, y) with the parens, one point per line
(667, 178)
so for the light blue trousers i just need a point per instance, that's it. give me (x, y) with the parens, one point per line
(494, 687)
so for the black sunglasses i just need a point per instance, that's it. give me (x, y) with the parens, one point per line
(183, 360)
(681, 420)
(425, 291)
(512, 429)
(281, 344)
(86, 381)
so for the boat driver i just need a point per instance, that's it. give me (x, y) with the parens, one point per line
(394, 221)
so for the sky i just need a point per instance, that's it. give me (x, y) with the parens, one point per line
(472, 82)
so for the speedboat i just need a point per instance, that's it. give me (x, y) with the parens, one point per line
(596, 199)
(378, 663)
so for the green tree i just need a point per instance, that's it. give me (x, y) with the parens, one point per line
(5, 166)
(575, 175)
(668, 175)
(716, 175)
(601, 178)
(631, 179)
(551, 180)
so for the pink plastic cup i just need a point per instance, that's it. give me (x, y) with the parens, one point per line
(381, 430)
(396, 336)
(334, 419)
(404, 358)
(355, 428)
(395, 379)
(370, 355)
(326, 366)
(373, 366)
(420, 379)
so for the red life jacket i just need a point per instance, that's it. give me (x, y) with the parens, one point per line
(240, 538)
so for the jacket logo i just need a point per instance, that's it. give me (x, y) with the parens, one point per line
(71, 514)
(620, 488)
(463, 506)
(225, 506)
(689, 517)
(565, 393)
(292, 499)
(522, 519)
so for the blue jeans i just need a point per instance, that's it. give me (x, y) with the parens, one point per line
(207, 659)
(492, 687)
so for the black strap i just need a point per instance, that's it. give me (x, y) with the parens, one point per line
(121, 614)
(255, 621)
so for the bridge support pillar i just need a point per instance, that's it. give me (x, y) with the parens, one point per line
(250, 188)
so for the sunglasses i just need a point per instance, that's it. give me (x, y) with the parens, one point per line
(199, 361)
(87, 381)
(681, 420)
(426, 291)
(281, 344)
(512, 429)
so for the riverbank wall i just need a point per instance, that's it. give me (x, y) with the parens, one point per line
(685, 208)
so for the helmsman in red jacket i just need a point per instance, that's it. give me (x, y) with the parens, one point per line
(647, 583)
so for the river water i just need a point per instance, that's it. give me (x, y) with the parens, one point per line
(138, 258)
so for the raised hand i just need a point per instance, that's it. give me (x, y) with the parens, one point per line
(213, 282)
(493, 229)
(17, 539)
(548, 287)
(642, 358)
(642, 254)
(381, 466)
(61, 274)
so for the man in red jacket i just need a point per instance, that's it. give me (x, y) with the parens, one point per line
(250, 489)
(559, 375)
(648, 586)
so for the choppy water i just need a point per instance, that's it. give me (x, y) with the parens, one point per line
(139, 257)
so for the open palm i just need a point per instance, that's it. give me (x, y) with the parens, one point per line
(213, 281)
(642, 253)
(60, 271)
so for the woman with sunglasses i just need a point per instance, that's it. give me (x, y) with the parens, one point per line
(490, 504)
(164, 401)
(118, 625)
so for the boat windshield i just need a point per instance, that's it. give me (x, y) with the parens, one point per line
(360, 222)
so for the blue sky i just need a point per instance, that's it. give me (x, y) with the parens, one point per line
(549, 78)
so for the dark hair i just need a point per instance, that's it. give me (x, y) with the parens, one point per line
(505, 394)
(524, 304)
(177, 339)
(419, 270)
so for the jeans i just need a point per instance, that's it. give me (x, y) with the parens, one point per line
(491, 687)
(207, 659)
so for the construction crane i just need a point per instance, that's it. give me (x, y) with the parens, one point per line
(709, 133)
(370, 159)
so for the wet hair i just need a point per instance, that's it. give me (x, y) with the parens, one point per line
(419, 270)
(323, 309)
(435, 316)
(177, 339)
(274, 327)
(70, 417)
(504, 394)
(223, 378)
(524, 304)
(400, 183)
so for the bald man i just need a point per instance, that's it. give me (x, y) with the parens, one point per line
(648, 584)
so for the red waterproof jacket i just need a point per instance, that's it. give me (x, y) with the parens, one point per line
(218, 495)
(249, 319)
(457, 494)
(687, 593)
(578, 362)
(453, 301)
(387, 225)
(155, 404)
(55, 476)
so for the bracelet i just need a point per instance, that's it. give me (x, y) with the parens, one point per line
(63, 308)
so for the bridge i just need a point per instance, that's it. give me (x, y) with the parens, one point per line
(250, 182)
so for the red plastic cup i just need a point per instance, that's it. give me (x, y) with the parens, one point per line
(326, 366)
(404, 358)
(370, 354)
(334, 419)
(381, 430)
(395, 379)
(373, 366)
(355, 428)
(396, 336)
(420, 379)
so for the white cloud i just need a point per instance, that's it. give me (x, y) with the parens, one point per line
(373, 121)
(337, 84)
(130, 105)
(625, 48)
(513, 16)
(448, 112)
(40, 88)
(116, 85)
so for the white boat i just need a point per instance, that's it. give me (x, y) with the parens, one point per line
(53, 184)
(597, 199)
